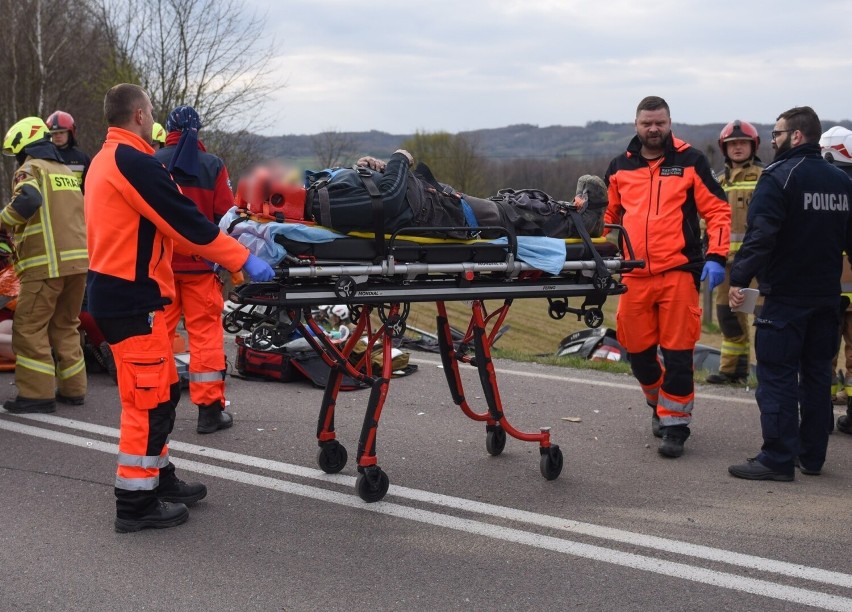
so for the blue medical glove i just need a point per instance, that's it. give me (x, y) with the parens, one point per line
(257, 269)
(715, 272)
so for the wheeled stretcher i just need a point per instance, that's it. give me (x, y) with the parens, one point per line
(384, 275)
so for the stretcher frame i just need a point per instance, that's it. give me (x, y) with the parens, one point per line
(387, 286)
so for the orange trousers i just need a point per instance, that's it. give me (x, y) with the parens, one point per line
(147, 387)
(198, 297)
(662, 311)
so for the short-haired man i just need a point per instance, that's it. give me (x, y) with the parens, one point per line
(658, 189)
(141, 217)
(798, 227)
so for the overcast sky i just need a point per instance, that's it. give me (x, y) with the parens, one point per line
(463, 65)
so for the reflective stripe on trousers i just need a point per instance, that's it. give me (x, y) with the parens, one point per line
(198, 297)
(146, 372)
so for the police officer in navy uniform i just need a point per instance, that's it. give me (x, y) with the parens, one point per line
(799, 224)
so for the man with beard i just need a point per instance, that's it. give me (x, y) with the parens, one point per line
(658, 189)
(798, 227)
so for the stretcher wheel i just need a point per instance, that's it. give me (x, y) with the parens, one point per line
(551, 462)
(345, 287)
(593, 317)
(495, 440)
(230, 323)
(372, 484)
(557, 310)
(600, 282)
(263, 337)
(332, 457)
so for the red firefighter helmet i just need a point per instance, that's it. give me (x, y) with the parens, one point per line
(739, 130)
(60, 120)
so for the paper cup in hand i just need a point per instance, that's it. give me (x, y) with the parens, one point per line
(749, 301)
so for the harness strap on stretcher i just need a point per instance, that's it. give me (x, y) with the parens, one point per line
(378, 209)
(325, 207)
(600, 266)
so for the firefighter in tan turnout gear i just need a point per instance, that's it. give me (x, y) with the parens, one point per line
(738, 142)
(46, 219)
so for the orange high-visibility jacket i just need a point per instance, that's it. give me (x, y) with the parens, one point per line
(660, 207)
(136, 214)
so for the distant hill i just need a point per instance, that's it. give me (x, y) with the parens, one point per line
(523, 141)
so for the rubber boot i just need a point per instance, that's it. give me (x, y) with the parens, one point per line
(212, 417)
(673, 439)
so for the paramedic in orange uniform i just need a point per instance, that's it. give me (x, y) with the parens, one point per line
(658, 189)
(137, 216)
(198, 292)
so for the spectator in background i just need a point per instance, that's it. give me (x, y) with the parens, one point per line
(738, 142)
(658, 188)
(198, 291)
(799, 225)
(63, 133)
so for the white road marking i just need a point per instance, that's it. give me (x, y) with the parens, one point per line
(597, 383)
(598, 553)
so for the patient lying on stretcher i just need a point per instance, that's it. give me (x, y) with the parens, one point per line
(380, 196)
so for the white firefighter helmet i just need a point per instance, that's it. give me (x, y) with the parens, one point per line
(836, 145)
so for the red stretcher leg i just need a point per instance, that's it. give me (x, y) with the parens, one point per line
(551, 456)
(450, 359)
(332, 455)
(372, 483)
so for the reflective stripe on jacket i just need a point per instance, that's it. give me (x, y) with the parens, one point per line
(739, 184)
(660, 207)
(47, 221)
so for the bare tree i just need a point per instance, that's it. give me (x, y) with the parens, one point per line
(454, 159)
(332, 148)
(51, 54)
(208, 54)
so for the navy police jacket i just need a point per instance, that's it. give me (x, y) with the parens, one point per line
(798, 226)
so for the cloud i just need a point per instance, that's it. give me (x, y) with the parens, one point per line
(455, 66)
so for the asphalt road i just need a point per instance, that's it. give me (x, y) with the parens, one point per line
(621, 529)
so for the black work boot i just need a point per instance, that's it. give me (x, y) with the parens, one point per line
(108, 360)
(212, 417)
(71, 400)
(723, 378)
(655, 423)
(163, 515)
(24, 405)
(844, 421)
(673, 439)
(173, 489)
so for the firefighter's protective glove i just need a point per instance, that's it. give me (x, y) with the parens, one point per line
(715, 272)
(257, 269)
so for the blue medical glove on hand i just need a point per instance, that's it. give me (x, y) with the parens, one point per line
(257, 269)
(715, 272)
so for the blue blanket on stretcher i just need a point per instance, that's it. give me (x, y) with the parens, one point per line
(542, 253)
